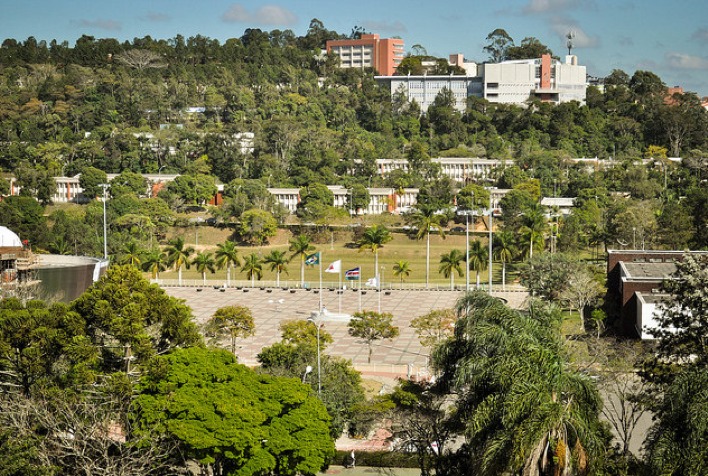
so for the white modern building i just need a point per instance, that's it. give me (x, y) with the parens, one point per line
(459, 169)
(508, 82)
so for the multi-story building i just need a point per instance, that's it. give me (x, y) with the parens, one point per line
(459, 169)
(508, 82)
(369, 51)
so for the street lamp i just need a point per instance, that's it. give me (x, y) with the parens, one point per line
(317, 323)
(308, 369)
(104, 186)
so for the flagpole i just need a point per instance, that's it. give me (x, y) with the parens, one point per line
(378, 278)
(339, 291)
(320, 283)
(360, 279)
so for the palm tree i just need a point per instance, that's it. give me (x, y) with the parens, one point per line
(278, 263)
(373, 239)
(479, 256)
(131, 254)
(402, 269)
(204, 261)
(427, 219)
(178, 255)
(253, 267)
(451, 262)
(154, 262)
(534, 225)
(504, 251)
(227, 255)
(301, 246)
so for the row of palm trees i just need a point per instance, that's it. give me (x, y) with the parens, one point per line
(178, 255)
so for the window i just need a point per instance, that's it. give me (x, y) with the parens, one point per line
(492, 85)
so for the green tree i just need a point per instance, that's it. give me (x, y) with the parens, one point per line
(204, 261)
(230, 419)
(233, 321)
(301, 246)
(257, 226)
(479, 258)
(154, 262)
(374, 237)
(178, 255)
(426, 219)
(523, 408)
(227, 256)
(130, 319)
(131, 254)
(504, 251)
(547, 275)
(434, 327)
(253, 267)
(90, 181)
(530, 48)
(278, 262)
(25, 217)
(499, 43)
(533, 227)
(372, 326)
(402, 269)
(451, 263)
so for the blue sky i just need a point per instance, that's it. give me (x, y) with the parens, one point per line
(667, 38)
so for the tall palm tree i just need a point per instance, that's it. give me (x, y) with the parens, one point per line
(402, 269)
(533, 226)
(479, 256)
(131, 254)
(301, 246)
(278, 263)
(373, 239)
(253, 267)
(427, 219)
(178, 255)
(451, 262)
(504, 251)
(227, 256)
(155, 261)
(204, 261)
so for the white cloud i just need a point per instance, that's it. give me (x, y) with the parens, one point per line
(551, 6)
(101, 24)
(682, 61)
(265, 15)
(157, 16)
(562, 25)
(701, 35)
(390, 27)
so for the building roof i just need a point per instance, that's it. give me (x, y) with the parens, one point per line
(9, 239)
(649, 270)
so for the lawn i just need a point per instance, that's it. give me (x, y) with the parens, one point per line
(402, 247)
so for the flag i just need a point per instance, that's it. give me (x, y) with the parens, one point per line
(372, 282)
(335, 267)
(312, 259)
(353, 274)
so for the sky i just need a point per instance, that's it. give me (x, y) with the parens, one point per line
(669, 39)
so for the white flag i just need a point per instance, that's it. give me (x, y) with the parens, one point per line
(335, 267)
(372, 282)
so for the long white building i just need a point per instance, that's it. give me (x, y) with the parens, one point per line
(508, 82)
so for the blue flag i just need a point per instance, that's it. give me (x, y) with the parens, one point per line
(353, 274)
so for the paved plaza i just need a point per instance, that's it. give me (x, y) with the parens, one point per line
(402, 356)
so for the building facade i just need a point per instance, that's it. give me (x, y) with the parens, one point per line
(369, 51)
(509, 82)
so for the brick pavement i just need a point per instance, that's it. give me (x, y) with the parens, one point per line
(270, 307)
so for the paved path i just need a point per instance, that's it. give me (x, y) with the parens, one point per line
(270, 307)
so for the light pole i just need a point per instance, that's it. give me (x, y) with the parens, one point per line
(317, 323)
(491, 212)
(308, 369)
(104, 186)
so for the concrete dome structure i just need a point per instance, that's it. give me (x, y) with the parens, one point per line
(9, 239)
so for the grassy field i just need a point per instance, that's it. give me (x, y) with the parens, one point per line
(402, 247)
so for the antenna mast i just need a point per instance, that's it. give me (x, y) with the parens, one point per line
(569, 43)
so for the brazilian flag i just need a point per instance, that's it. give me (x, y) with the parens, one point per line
(313, 259)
